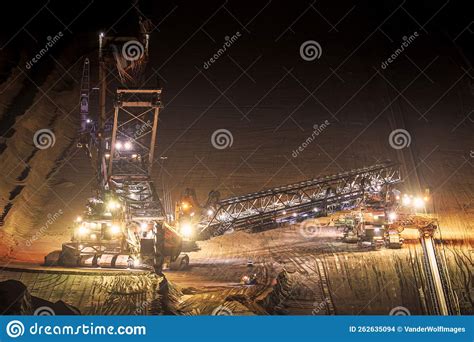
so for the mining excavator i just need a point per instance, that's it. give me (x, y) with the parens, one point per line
(125, 224)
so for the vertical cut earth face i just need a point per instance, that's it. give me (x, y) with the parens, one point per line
(290, 119)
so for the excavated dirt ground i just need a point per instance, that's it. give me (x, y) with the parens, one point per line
(295, 275)
(324, 276)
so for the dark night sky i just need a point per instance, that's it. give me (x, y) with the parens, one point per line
(269, 108)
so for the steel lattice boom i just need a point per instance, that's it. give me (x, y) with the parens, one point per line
(330, 193)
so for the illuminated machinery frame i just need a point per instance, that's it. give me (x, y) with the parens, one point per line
(132, 146)
(312, 197)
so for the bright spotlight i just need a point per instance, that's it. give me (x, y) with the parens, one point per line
(79, 219)
(115, 229)
(418, 203)
(186, 229)
(392, 216)
(128, 145)
(406, 201)
(118, 145)
(210, 212)
(112, 205)
(143, 226)
(83, 230)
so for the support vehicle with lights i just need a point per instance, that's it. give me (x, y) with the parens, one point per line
(373, 224)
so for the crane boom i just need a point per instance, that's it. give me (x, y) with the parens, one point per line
(311, 197)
